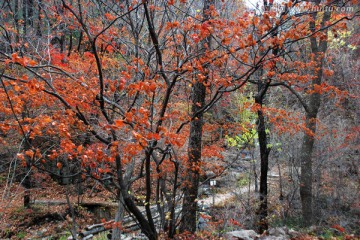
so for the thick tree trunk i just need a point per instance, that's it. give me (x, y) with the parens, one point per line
(306, 172)
(318, 48)
(189, 209)
(264, 165)
(116, 233)
(264, 155)
(194, 153)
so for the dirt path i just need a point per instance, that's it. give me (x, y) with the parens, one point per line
(219, 199)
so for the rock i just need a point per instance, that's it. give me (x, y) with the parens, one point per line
(88, 237)
(273, 238)
(71, 237)
(138, 236)
(60, 227)
(242, 235)
(41, 233)
(278, 232)
(202, 223)
(293, 234)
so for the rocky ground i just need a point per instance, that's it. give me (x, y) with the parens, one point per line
(51, 218)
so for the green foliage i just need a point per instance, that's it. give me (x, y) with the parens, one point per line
(328, 234)
(101, 236)
(2, 179)
(246, 116)
(20, 235)
(339, 41)
(290, 222)
(246, 139)
(64, 237)
(243, 181)
(275, 146)
(247, 119)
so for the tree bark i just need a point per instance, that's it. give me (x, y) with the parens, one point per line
(194, 153)
(189, 209)
(116, 232)
(264, 164)
(27, 176)
(16, 18)
(144, 224)
(318, 48)
(25, 7)
(306, 172)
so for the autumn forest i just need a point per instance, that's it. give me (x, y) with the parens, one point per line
(179, 119)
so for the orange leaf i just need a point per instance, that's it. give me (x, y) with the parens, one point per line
(109, 16)
(59, 165)
(20, 156)
(32, 63)
(80, 148)
(7, 61)
(119, 123)
(29, 153)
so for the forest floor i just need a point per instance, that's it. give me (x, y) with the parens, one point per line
(51, 218)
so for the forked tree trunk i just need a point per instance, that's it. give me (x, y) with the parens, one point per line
(318, 48)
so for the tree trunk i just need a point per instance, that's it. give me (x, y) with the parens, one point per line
(116, 232)
(16, 16)
(194, 153)
(25, 6)
(264, 165)
(27, 169)
(38, 28)
(318, 48)
(27, 177)
(189, 209)
(306, 172)
(172, 224)
(27, 185)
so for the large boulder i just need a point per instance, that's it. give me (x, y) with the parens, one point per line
(241, 235)
(279, 233)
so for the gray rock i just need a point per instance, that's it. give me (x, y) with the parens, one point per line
(139, 236)
(274, 238)
(241, 234)
(278, 232)
(292, 233)
(202, 223)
